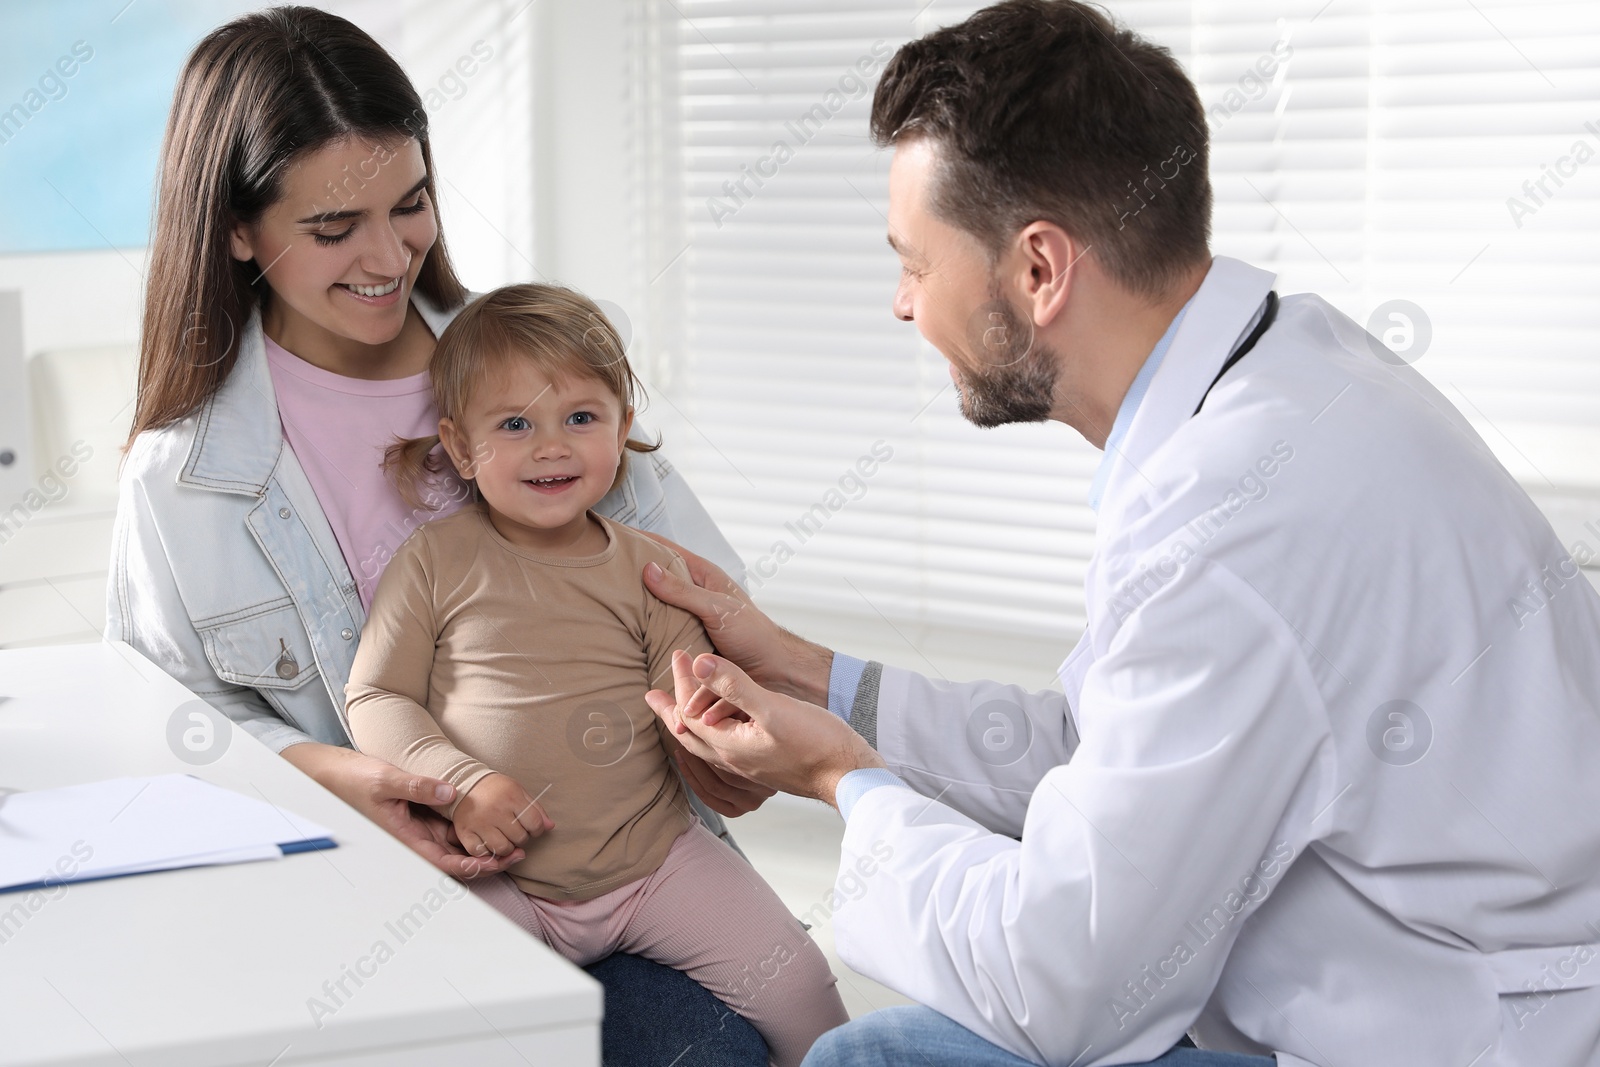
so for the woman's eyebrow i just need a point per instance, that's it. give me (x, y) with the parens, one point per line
(325, 217)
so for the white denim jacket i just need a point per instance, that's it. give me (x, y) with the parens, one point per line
(226, 574)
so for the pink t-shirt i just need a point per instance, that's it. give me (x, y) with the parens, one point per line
(339, 429)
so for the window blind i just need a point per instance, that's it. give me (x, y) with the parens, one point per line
(1370, 153)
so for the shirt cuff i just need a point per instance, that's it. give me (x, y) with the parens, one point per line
(843, 680)
(858, 783)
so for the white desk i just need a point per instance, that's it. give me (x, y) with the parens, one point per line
(219, 965)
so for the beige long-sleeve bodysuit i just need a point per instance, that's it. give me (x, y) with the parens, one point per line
(480, 656)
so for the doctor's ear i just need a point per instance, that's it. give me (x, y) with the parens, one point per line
(1041, 265)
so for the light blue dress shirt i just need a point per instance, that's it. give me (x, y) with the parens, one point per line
(843, 680)
(1130, 405)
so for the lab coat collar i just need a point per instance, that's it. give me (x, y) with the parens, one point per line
(240, 434)
(1130, 405)
(1219, 315)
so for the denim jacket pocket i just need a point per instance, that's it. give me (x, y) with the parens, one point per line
(263, 647)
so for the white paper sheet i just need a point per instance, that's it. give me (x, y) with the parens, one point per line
(134, 825)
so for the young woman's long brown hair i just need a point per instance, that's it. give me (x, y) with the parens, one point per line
(254, 94)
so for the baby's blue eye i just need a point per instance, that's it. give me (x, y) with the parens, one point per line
(515, 424)
(581, 418)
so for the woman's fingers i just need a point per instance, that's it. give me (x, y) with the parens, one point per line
(445, 851)
(460, 865)
(403, 805)
(394, 784)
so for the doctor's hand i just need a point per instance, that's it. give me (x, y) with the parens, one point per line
(728, 794)
(718, 714)
(771, 655)
(725, 793)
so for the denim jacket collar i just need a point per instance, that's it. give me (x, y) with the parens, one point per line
(239, 437)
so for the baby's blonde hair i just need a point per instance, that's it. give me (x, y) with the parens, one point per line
(562, 331)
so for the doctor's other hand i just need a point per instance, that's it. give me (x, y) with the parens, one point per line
(771, 655)
(723, 792)
(497, 815)
(777, 742)
(728, 794)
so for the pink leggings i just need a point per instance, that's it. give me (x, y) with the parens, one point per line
(706, 912)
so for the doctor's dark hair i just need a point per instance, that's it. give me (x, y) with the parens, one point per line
(254, 95)
(1046, 110)
(561, 331)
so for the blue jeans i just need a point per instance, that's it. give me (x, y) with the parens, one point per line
(659, 1017)
(914, 1036)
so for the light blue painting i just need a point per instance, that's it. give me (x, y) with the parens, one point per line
(84, 90)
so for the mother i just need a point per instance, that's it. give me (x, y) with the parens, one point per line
(298, 278)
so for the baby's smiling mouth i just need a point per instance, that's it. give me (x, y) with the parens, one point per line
(551, 483)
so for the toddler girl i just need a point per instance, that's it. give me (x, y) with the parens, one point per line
(508, 651)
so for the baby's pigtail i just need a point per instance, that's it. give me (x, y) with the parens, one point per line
(408, 463)
(641, 446)
(631, 445)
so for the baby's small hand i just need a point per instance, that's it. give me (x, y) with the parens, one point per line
(497, 815)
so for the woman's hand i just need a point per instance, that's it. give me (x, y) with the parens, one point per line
(395, 801)
(771, 655)
(718, 714)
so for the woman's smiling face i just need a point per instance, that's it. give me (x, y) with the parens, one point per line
(345, 242)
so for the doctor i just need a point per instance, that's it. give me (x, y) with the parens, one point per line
(1321, 781)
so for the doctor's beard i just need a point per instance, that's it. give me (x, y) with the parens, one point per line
(1017, 379)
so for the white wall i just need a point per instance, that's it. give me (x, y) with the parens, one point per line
(581, 129)
(75, 299)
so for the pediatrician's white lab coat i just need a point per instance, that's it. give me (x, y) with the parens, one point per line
(1326, 777)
